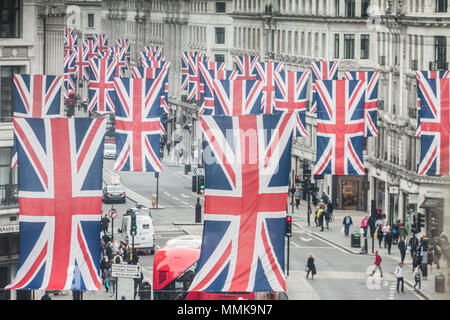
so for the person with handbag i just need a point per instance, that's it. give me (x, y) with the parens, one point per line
(310, 267)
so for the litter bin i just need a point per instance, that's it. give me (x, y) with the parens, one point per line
(356, 240)
(145, 292)
(439, 282)
(187, 168)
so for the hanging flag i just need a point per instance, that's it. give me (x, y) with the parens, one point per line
(246, 178)
(340, 127)
(322, 70)
(196, 88)
(60, 203)
(70, 39)
(237, 97)
(81, 63)
(186, 61)
(147, 61)
(437, 74)
(101, 85)
(138, 124)
(69, 73)
(91, 45)
(247, 67)
(125, 44)
(434, 115)
(267, 72)
(153, 51)
(101, 41)
(157, 73)
(208, 72)
(371, 103)
(290, 97)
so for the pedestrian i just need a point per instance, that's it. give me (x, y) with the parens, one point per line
(399, 274)
(330, 208)
(297, 197)
(347, 222)
(46, 296)
(402, 248)
(430, 258)
(413, 244)
(365, 225)
(377, 264)
(388, 241)
(104, 269)
(310, 267)
(321, 214)
(111, 281)
(327, 217)
(402, 231)
(137, 284)
(417, 277)
(154, 200)
(379, 233)
(105, 224)
(386, 228)
(437, 253)
(395, 228)
(117, 259)
(109, 251)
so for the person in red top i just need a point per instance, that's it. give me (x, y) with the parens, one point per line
(377, 264)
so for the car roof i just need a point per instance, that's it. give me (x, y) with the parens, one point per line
(114, 185)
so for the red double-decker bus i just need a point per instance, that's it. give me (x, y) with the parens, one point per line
(174, 269)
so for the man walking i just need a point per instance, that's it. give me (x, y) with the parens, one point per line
(105, 224)
(347, 223)
(297, 197)
(399, 274)
(413, 244)
(377, 264)
(402, 248)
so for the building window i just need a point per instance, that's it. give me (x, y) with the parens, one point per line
(90, 20)
(6, 92)
(349, 46)
(10, 19)
(220, 7)
(220, 35)
(219, 58)
(441, 5)
(350, 8)
(337, 5)
(440, 46)
(8, 178)
(364, 8)
(336, 46)
(365, 46)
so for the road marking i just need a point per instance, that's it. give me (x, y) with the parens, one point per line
(185, 203)
(175, 198)
(184, 196)
(167, 194)
(295, 244)
(306, 240)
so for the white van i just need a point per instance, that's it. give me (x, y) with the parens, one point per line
(144, 240)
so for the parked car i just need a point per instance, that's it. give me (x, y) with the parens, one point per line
(109, 151)
(113, 193)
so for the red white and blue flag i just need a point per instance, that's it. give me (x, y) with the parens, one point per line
(125, 44)
(187, 59)
(237, 97)
(69, 73)
(340, 127)
(60, 203)
(267, 72)
(91, 45)
(434, 115)
(101, 41)
(245, 203)
(70, 39)
(290, 97)
(81, 63)
(138, 124)
(436, 74)
(196, 87)
(152, 51)
(208, 72)
(246, 67)
(101, 85)
(322, 70)
(371, 105)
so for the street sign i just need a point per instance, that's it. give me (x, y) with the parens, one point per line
(393, 190)
(198, 171)
(112, 213)
(115, 179)
(126, 271)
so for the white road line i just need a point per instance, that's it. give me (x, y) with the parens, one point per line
(295, 244)
(167, 194)
(305, 239)
(184, 196)
(185, 203)
(175, 198)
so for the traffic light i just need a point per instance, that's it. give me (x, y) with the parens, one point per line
(133, 227)
(420, 222)
(201, 184)
(194, 184)
(414, 224)
(297, 179)
(288, 226)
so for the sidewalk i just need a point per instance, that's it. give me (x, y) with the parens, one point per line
(335, 236)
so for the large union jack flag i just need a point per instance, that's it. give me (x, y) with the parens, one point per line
(245, 203)
(208, 72)
(267, 72)
(340, 127)
(434, 95)
(237, 97)
(371, 104)
(246, 67)
(138, 124)
(101, 85)
(60, 204)
(70, 39)
(322, 70)
(290, 97)
(432, 74)
(196, 87)
(81, 63)
(187, 59)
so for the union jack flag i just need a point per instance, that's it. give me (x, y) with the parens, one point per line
(245, 203)
(208, 72)
(91, 45)
(154, 51)
(138, 124)
(371, 103)
(101, 41)
(340, 127)
(187, 59)
(267, 72)
(437, 74)
(125, 44)
(70, 39)
(322, 70)
(434, 114)
(290, 97)
(60, 204)
(196, 88)
(150, 61)
(69, 72)
(81, 63)
(247, 67)
(237, 97)
(101, 85)
(156, 73)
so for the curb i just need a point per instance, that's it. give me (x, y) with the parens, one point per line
(418, 292)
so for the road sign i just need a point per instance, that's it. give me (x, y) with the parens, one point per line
(198, 171)
(126, 271)
(112, 213)
(115, 179)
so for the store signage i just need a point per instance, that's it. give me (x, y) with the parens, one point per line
(393, 190)
(9, 228)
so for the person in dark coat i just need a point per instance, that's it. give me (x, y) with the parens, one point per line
(46, 296)
(402, 247)
(413, 244)
(105, 224)
(379, 235)
(311, 267)
(388, 240)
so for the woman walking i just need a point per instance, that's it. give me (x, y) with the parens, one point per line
(310, 267)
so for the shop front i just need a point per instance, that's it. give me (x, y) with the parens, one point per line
(434, 216)
(350, 192)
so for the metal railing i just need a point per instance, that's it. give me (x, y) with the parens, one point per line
(9, 194)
